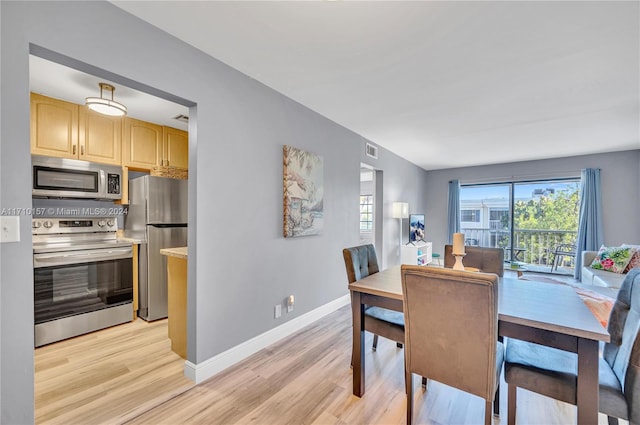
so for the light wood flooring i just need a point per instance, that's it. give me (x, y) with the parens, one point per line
(107, 376)
(304, 379)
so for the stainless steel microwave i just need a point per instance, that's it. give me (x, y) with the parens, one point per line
(71, 178)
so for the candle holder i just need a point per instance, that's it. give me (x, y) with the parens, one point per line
(458, 264)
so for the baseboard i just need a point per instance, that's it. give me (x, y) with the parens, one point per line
(202, 371)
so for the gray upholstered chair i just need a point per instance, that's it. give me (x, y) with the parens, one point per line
(361, 261)
(488, 260)
(451, 331)
(553, 372)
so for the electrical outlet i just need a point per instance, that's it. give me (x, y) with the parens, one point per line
(278, 310)
(290, 302)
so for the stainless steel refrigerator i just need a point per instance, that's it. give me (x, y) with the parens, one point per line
(157, 216)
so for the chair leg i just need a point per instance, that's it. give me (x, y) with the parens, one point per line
(496, 401)
(375, 342)
(511, 404)
(487, 413)
(424, 383)
(408, 382)
(612, 421)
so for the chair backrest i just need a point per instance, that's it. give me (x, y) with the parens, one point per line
(623, 352)
(360, 261)
(565, 248)
(488, 260)
(451, 327)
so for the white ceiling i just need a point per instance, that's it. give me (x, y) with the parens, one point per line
(61, 82)
(443, 84)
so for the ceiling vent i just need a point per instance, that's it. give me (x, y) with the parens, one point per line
(181, 117)
(371, 151)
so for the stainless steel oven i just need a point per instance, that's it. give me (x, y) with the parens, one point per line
(83, 277)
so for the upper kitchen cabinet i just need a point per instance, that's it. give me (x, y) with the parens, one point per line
(142, 144)
(100, 137)
(54, 127)
(68, 130)
(146, 145)
(175, 147)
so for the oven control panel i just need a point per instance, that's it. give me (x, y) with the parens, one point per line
(42, 226)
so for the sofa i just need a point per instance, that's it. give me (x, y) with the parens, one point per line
(591, 276)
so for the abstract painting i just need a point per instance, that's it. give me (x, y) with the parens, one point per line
(303, 188)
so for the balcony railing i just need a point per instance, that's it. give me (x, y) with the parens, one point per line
(533, 246)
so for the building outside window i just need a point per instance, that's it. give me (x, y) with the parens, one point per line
(472, 216)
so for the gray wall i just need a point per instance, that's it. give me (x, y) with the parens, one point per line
(240, 266)
(620, 199)
(401, 182)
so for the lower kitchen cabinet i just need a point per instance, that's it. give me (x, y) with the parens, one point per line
(177, 298)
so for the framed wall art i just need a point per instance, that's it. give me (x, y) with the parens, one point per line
(303, 192)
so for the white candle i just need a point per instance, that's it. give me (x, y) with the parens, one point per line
(458, 244)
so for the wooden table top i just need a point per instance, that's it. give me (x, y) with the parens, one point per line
(178, 252)
(542, 305)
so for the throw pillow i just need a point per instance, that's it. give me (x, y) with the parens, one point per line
(612, 259)
(635, 260)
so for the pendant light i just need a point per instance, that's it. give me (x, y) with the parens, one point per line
(106, 106)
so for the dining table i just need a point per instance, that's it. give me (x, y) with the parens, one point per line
(544, 313)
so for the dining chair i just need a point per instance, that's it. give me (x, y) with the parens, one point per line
(487, 260)
(553, 372)
(361, 261)
(451, 331)
(559, 252)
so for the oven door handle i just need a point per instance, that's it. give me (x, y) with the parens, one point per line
(81, 257)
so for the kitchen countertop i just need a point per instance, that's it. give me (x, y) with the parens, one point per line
(127, 237)
(178, 252)
(132, 240)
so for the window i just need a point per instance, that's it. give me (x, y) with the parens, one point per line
(366, 213)
(470, 216)
(528, 219)
(498, 218)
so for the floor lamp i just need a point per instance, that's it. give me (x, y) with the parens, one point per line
(400, 211)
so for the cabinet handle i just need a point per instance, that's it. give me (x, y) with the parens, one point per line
(81, 150)
(74, 149)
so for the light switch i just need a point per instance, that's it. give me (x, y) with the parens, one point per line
(9, 229)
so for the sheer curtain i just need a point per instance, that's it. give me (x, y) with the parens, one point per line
(590, 222)
(453, 222)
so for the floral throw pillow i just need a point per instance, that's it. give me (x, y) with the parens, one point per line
(613, 259)
(635, 260)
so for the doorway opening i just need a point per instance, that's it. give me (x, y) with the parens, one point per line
(370, 206)
(64, 367)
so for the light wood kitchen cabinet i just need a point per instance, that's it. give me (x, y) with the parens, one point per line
(146, 145)
(141, 144)
(100, 137)
(175, 147)
(68, 130)
(54, 127)
(177, 298)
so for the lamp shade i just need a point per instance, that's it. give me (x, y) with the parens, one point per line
(400, 210)
(106, 106)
